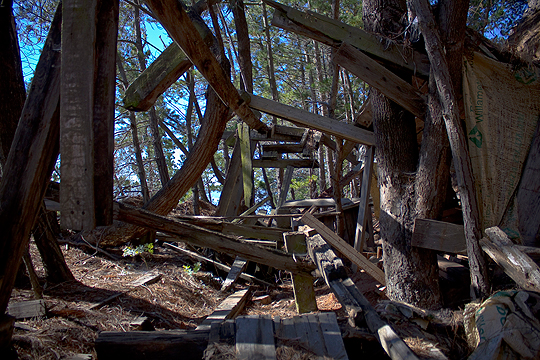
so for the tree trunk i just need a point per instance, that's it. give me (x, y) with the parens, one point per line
(271, 70)
(410, 275)
(134, 135)
(153, 120)
(244, 52)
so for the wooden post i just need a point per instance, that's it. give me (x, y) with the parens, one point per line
(104, 106)
(30, 162)
(285, 186)
(247, 167)
(363, 207)
(76, 115)
(304, 294)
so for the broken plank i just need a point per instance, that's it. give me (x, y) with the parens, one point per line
(439, 236)
(27, 309)
(333, 341)
(333, 32)
(217, 264)
(283, 163)
(175, 20)
(286, 183)
(228, 309)
(347, 250)
(255, 338)
(247, 166)
(139, 345)
(237, 269)
(519, 266)
(146, 279)
(199, 236)
(376, 75)
(313, 121)
(364, 210)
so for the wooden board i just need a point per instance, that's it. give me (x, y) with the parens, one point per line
(323, 202)
(333, 341)
(439, 236)
(247, 166)
(148, 345)
(76, 115)
(313, 121)
(519, 266)
(376, 75)
(27, 309)
(287, 178)
(228, 309)
(283, 163)
(146, 279)
(347, 250)
(199, 236)
(237, 269)
(255, 338)
(333, 32)
(364, 210)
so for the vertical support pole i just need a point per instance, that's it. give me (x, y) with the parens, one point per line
(76, 114)
(285, 186)
(103, 122)
(247, 166)
(363, 207)
(304, 294)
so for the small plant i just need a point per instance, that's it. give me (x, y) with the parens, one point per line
(138, 250)
(190, 270)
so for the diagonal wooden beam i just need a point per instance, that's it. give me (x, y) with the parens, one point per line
(176, 21)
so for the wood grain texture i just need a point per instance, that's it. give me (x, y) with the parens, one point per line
(255, 338)
(313, 121)
(363, 207)
(376, 75)
(76, 115)
(439, 236)
(283, 163)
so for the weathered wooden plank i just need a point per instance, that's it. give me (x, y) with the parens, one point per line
(27, 309)
(363, 207)
(323, 202)
(519, 266)
(439, 236)
(146, 279)
(283, 163)
(104, 109)
(252, 209)
(287, 178)
(228, 309)
(175, 20)
(314, 121)
(76, 115)
(283, 148)
(29, 165)
(333, 32)
(304, 293)
(231, 195)
(205, 238)
(237, 268)
(376, 75)
(217, 264)
(333, 341)
(316, 340)
(147, 345)
(247, 166)
(344, 248)
(255, 338)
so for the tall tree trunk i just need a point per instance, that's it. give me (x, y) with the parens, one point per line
(271, 70)
(244, 52)
(134, 135)
(410, 276)
(153, 120)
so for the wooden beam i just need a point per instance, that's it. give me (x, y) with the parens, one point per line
(104, 108)
(30, 161)
(255, 338)
(205, 238)
(518, 265)
(314, 121)
(376, 75)
(323, 202)
(363, 207)
(439, 236)
(175, 20)
(76, 115)
(304, 294)
(247, 166)
(347, 250)
(139, 345)
(333, 32)
(228, 309)
(237, 269)
(285, 185)
(335, 276)
(283, 163)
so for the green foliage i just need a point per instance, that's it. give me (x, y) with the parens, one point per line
(495, 18)
(131, 251)
(190, 270)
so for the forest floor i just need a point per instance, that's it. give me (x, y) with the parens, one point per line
(181, 299)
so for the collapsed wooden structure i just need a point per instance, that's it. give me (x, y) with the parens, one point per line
(61, 91)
